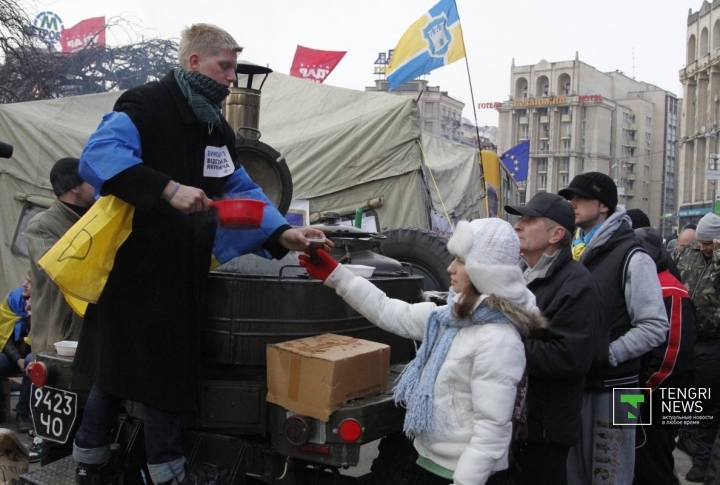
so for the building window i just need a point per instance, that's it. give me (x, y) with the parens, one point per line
(542, 165)
(566, 129)
(542, 111)
(564, 164)
(566, 146)
(544, 146)
(542, 181)
(525, 132)
(626, 117)
(564, 180)
(648, 122)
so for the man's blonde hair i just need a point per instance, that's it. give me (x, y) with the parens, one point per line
(204, 40)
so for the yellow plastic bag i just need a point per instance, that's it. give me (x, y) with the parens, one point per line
(80, 262)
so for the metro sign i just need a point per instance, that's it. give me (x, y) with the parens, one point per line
(48, 26)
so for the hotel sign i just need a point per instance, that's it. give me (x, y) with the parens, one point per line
(531, 102)
(538, 102)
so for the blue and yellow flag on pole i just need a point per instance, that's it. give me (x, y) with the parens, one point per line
(433, 41)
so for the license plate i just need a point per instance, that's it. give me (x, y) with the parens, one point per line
(53, 412)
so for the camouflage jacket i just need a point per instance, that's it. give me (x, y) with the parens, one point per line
(700, 276)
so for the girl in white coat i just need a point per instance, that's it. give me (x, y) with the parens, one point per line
(460, 389)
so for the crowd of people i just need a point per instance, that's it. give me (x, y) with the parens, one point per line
(543, 319)
(599, 305)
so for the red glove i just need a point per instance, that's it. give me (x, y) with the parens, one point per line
(319, 266)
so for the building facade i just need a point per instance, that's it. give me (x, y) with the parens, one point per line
(440, 113)
(579, 119)
(699, 144)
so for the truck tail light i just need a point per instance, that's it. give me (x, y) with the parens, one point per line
(349, 430)
(38, 373)
(298, 430)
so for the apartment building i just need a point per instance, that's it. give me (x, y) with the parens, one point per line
(698, 143)
(440, 113)
(579, 119)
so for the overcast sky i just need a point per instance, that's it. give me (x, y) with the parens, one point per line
(642, 38)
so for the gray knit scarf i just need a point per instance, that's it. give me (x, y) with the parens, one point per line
(204, 95)
(417, 382)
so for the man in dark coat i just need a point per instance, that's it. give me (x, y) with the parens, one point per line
(668, 366)
(558, 356)
(166, 150)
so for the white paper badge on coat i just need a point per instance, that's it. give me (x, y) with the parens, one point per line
(218, 162)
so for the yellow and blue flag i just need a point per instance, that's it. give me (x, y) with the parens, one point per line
(13, 316)
(433, 41)
(516, 160)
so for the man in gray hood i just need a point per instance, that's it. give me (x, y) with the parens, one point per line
(633, 323)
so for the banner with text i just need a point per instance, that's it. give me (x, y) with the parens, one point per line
(313, 64)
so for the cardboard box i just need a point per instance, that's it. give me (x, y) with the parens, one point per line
(314, 376)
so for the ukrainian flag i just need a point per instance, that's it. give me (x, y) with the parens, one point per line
(12, 315)
(433, 41)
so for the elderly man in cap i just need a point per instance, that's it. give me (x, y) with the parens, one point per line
(634, 322)
(559, 356)
(699, 264)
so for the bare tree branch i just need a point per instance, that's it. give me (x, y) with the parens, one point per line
(31, 70)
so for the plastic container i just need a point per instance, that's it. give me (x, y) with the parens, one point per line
(240, 213)
(66, 348)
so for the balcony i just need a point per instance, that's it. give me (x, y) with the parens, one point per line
(566, 136)
(566, 118)
(630, 176)
(544, 135)
(523, 120)
(629, 143)
(545, 119)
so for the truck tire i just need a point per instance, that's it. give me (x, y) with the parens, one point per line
(395, 463)
(425, 250)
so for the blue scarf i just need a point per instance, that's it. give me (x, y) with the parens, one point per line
(417, 382)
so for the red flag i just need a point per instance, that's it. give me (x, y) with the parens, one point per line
(84, 33)
(313, 64)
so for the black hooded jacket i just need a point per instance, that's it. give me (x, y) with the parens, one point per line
(669, 364)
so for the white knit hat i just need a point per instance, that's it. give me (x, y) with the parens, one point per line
(486, 241)
(491, 250)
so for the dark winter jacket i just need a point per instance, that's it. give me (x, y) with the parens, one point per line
(669, 364)
(627, 280)
(140, 340)
(559, 356)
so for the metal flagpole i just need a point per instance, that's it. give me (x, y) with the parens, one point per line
(477, 128)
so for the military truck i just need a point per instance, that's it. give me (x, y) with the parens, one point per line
(251, 303)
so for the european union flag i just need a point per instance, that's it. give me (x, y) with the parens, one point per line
(433, 41)
(516, 160)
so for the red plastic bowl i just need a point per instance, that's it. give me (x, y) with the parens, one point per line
(240, 213)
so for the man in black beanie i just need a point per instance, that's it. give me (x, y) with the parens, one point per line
(638, 218)
(633, 323)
